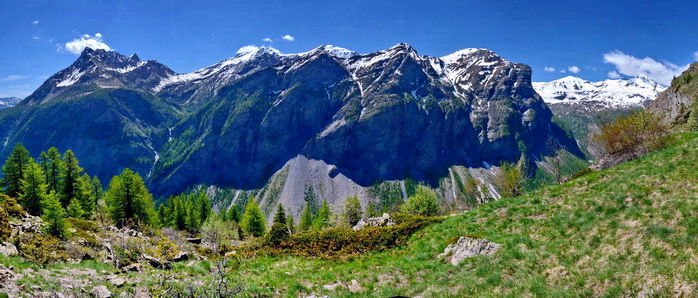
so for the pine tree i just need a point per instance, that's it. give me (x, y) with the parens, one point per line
(352, 211)
(130, 200)
(87, 201)
(70, 184)
(97, 190)
(53, 169)
(53, 216)
(180, 214)
(234, 214)
(33, 189)
(290, 224)
(323, 217)
(75, 209)
(253, 219)
(13, 171)
(306, 220)
(280, 216)
(204, 208)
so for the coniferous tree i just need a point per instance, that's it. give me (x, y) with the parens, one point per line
(306, 220)
(33, 189)
(13, 170)
(54, 216)
(97, 190)
(253, 219)
(53, 169)
(323, 217)
(130, 200)
(290, 224)
(204, 208)
(87, 201)
(75, 209)
(70, 182)
(180, 215)
(234, 214)
(352, 210)
(280, 216)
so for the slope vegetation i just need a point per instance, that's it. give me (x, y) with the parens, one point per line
(627, 230)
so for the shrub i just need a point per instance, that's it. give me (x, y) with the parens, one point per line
(633, 135)
(41, 249)
(11, 206)
(423, 202)
(509, 180)
(343, 242)
(5, 229)
(581, 173)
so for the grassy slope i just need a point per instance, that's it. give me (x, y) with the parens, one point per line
(619, 231)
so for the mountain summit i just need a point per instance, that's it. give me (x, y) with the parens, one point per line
(631, 92)
(328, 122)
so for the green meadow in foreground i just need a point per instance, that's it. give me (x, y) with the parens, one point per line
(621, 231)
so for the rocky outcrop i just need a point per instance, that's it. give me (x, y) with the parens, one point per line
(467, 247)
(381, 221)
(674, 105)
(8, 249)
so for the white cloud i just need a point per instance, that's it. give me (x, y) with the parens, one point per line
(563, 71)
(628, 65)
(267, 39)
(288, 37)
(549, 69)
(13, 78)
(247, 49)
(573, 69)
(613, 75)
(35, 22)
(76, 46)
(695, 55)
(592, 68)
(36, 37)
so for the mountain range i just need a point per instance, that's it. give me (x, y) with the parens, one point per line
(291, 128)
(6, 102)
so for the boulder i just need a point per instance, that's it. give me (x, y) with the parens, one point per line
(381, 221)
(181, 256)
(100, 292)
(157, 263)
(354, 286)
(135, 267)
(8, 249)
(467, 247)
(117, 281)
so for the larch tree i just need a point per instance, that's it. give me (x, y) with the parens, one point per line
(13, 170)
(33, 189)
(129, 199)
(253, 219)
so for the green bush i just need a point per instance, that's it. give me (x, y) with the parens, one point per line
(278, 233)
(41, 249)
(11, 206)
(343, 242)
(5, 229)
(423, 202)
(581, 173)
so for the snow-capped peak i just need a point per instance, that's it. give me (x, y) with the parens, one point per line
(625, 92)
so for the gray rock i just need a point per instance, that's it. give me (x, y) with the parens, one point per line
(117, 281)
(100, 292)
(8, 249)
(467, 247)
(354, 286)
(181, 256)
(157, 263)
(135, 267)
(382, 221)
(334, 286)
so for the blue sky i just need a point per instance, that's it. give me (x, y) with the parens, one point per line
(600, 38)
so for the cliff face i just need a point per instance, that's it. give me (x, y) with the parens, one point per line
(674, 104)
(337, 121)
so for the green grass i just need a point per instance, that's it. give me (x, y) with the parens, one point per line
(620, 231)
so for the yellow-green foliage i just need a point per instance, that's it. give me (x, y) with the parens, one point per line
(633, 135)
(5, 229)
(343, 242)
(11, 206)
(41, 249)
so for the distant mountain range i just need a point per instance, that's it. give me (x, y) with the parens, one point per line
(6, 102)
(291, 128)
(632, 92)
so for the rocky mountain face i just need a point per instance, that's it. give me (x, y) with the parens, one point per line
(329, 122)
(581, 104)
(7, 102)
(678, 101)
